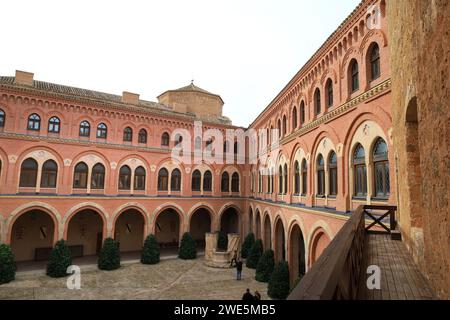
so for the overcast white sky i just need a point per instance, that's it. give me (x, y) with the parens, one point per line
(244, 50)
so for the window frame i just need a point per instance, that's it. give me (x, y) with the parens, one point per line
(54, 125)
(34, 122)
(102, 131)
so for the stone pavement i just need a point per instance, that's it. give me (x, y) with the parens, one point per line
(170, 279)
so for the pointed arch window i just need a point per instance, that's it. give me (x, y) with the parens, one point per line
(125, 178)
(54, 125)
(296, 178)
(139, 178)
(34, 122)
(165, 138)
(381, 169)
(207, 181)
(175, 180)
(304, 177)
(285, 179)
(360, 171)
(163, 179)
(284, 126)
(80, 176)
(280, 180)
(49, 174)
(196, 180)
(85, 129)
(320, 176)
(28, 173)
(2, 118)
(225, 182)
(329, 90)
(354, 76)
(302, 113)
(142, 136)
(374, 62)
(102, 131)
(127, 134)
(294, 118)
(235, 182)
(317, 102)
(332, 171)
(98, 176)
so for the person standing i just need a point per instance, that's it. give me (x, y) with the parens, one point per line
(247, 295)
(238, 269)
(257, 295)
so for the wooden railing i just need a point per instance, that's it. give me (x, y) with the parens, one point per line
(335, 275)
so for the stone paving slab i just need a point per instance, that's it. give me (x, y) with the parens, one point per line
(173, 279)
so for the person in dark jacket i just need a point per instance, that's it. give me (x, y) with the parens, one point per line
(257, 296)
(238, 269)
(247, 296)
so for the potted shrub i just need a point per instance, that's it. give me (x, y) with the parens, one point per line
(109, 257)
(150, 251)
(60, 259)
(188, 248)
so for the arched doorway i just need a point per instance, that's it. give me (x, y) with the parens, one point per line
(280, 251)
(267, 233)
(258, 225)
(129, 230)
(167, 228)
(229, 222)
(85, 233)
(319, 243)
(32, 236)
(200, 225)
(297, 253)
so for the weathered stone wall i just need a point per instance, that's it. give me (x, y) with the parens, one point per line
(420, 53)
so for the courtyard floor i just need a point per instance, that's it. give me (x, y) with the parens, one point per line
(170, 279)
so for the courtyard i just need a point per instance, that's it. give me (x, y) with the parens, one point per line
(171, 279)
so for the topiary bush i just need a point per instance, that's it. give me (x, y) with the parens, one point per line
(247, 244)
(109, 257)
(222, 241)
(254, 255)
(150, 251)
(60, 259)
(7, 264)
(188, 248)
(265, 266)
(279, 282)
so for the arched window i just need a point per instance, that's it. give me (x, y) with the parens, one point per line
(280, 180)
(49, 174)
(125, 178)
(34, 122)
(175, 180)
(163, 179)
(374, 62)
(320, 176)
(360, 171)
(296, 178)
(2, 118)
(332, 171)
(198, 143)
(294, 118)
(235, 182)
(102, 131)
(98, 177)
(54, 125)
(196, 180)
(127, 134)
(317, 102)
(207, 181)
(302, 112)
(329, 90)
(381, 169)
(236, 147)
(279, 128)
(285, 178)
(354, 76)
(80, 176)
(178, 140)
(225, 182)
(165, 138)
(28, 173)
(284, 125)
(85, 129)
(142, 136)
(139, 178)
(304, 177)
